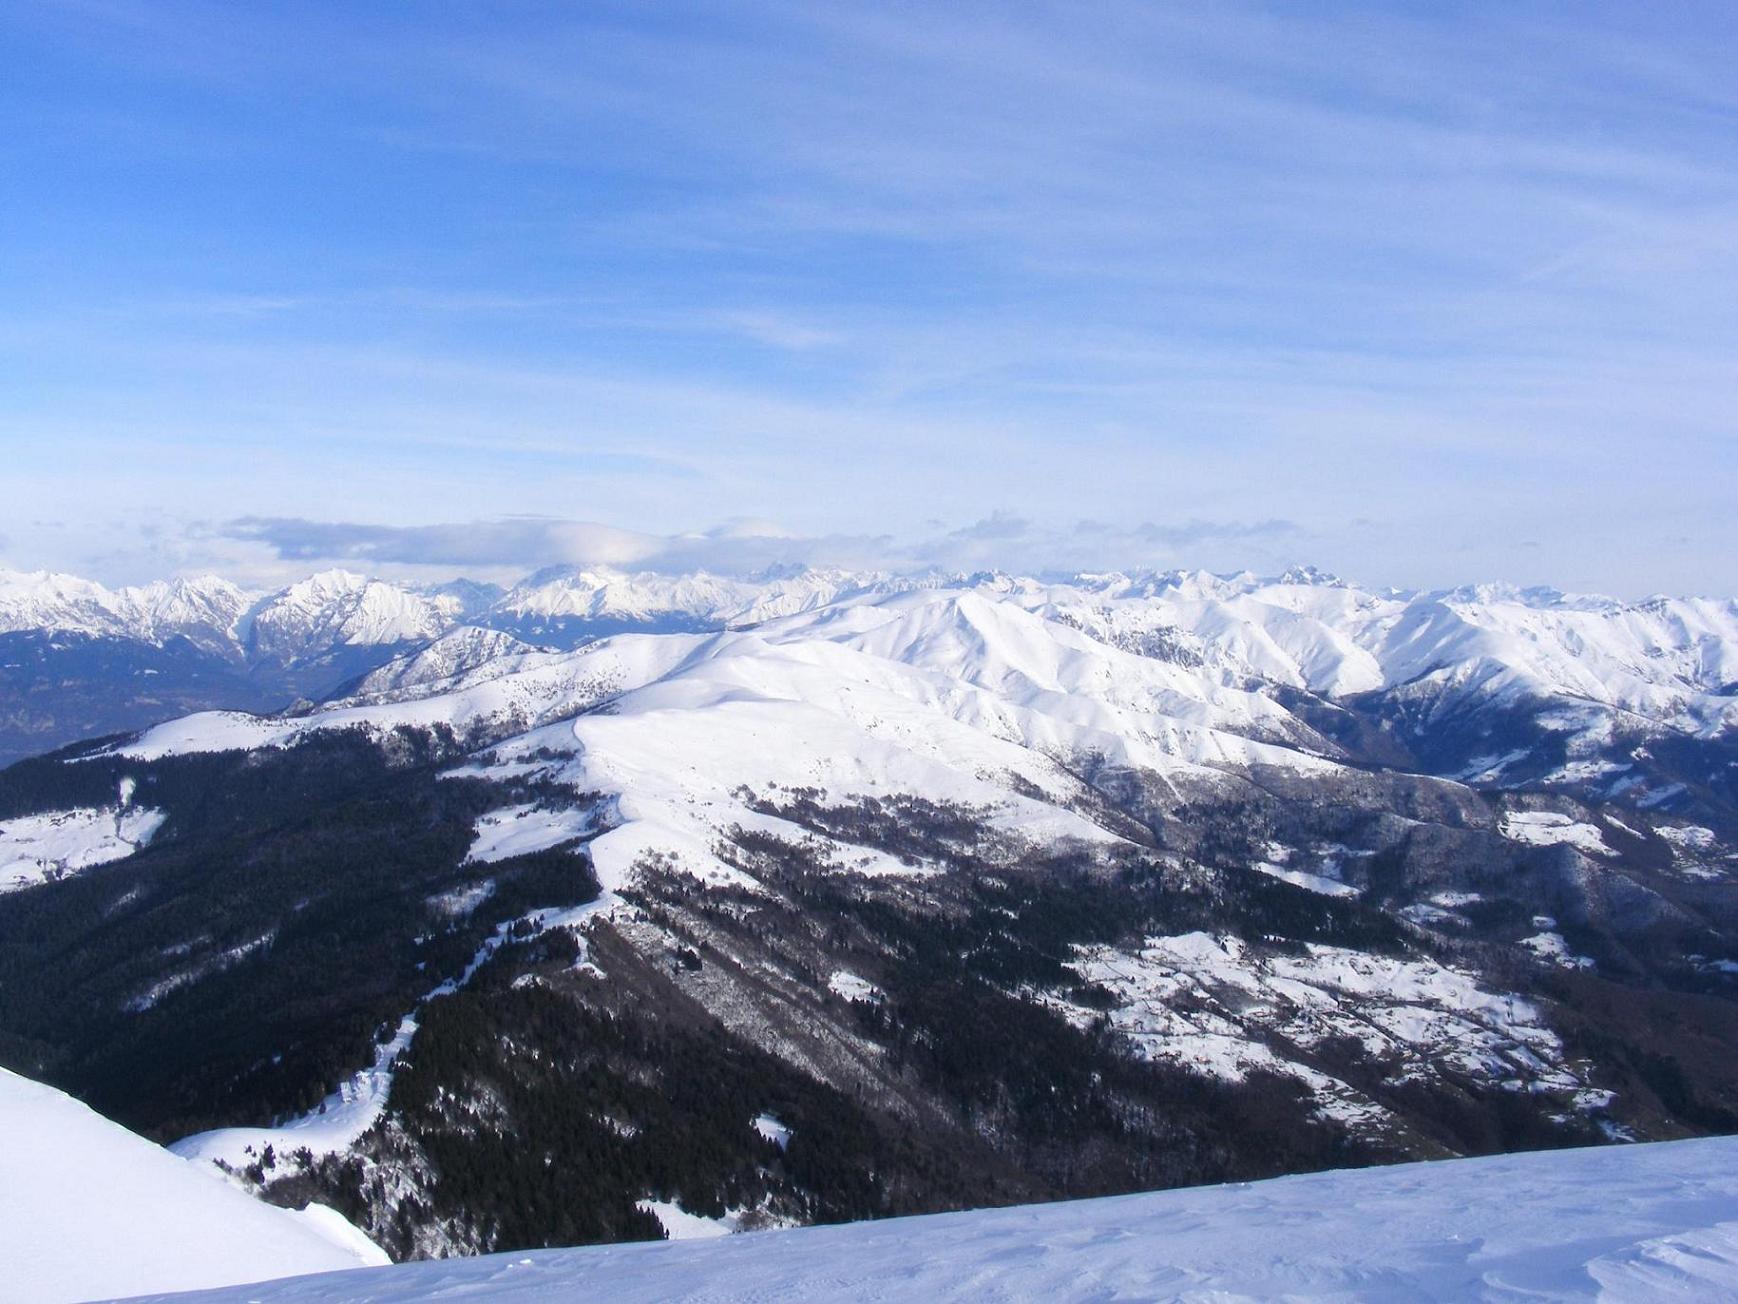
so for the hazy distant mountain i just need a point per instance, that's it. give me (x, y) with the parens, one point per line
(77, 659)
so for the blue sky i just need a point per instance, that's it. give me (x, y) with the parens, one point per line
(1420, 293)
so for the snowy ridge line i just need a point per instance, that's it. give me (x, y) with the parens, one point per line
(947, 694)
(1617, 1224)
(1204, 654)
(998, 697)
(332, 608)
(1668, 660)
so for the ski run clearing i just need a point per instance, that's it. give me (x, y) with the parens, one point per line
(43, 848)
(1623, 1223)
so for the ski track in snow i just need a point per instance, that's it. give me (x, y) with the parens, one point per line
(1621, 1224)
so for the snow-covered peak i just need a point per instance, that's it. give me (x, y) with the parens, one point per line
(324, 586)
(1311, 575)
(204, 609)
(340, 608)
(597, 592)
(465, 649)
(43, 600)
(697, 599)
(955, 694)
(1668, 661)
(198, 608)
(465, 599)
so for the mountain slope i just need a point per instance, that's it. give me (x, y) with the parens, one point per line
(88, 1210)
(1646, 1223)
(919, 894)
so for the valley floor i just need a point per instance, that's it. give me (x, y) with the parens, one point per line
(1640, 1222)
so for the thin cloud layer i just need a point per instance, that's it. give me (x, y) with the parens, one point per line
(1002, 540)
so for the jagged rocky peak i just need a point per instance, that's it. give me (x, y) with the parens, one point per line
(204, 608)
(1310, 575)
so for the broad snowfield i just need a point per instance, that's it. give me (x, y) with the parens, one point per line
(1630, 1223)
(88, 1210)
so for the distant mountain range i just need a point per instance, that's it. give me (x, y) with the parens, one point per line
(77, 659)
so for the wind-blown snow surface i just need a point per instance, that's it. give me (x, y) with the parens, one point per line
(88, 1210)
(1633, 1223)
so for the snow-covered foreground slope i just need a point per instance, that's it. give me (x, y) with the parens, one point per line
(88, 1210)
(1654, 1222)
